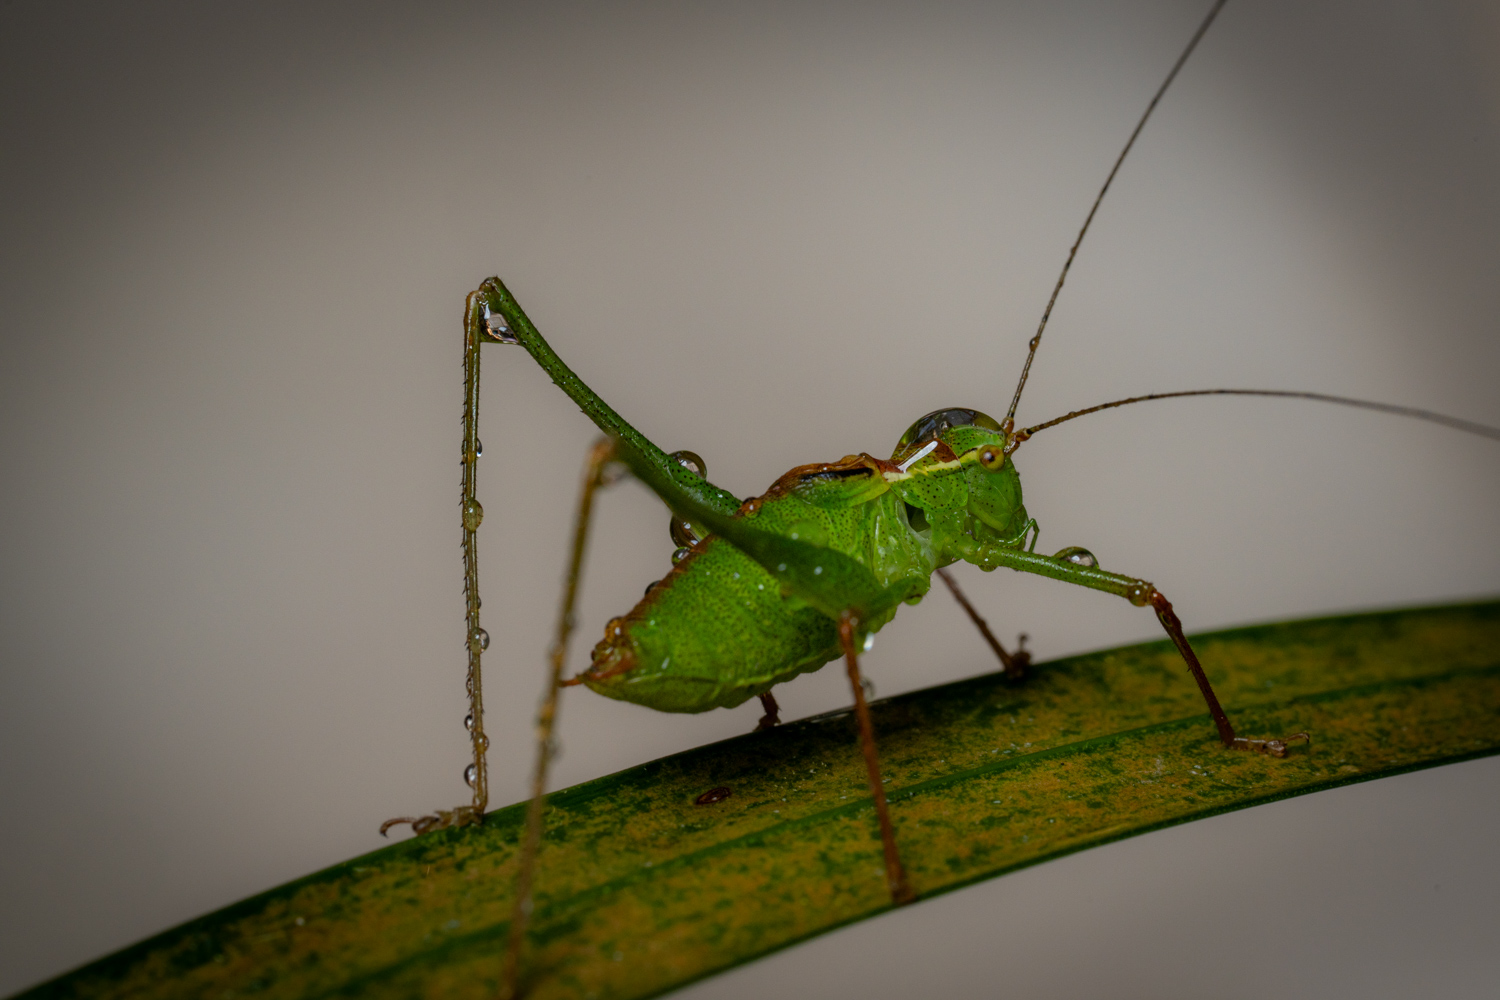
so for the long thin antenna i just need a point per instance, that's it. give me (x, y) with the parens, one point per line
(1483, 430)
(1036, 341)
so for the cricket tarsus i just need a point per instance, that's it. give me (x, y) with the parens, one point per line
(773, 712)
(595, 476)
(1036, 340)
(1170, 622)
(895, 874)
(1014, 664)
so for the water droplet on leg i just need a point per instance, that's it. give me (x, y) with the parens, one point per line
(498, 327)
(471, 776)
(691, 462)
(1078, 556)
(479, 639)
(473, 514)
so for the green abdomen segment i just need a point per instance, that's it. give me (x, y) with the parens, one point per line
(713, 634)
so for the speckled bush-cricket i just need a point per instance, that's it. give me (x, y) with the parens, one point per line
(789, 581)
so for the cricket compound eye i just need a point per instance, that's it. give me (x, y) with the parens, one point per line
(992, 457)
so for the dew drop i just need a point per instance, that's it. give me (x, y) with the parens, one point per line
(690, 461)
(680, 555)
(1078, 557)
(478, 448)
(471, 776)
(473, 514)
(869, 641)
(650, 587)
(498, 328)
(469, 722)
(483, 742)
(479, 639)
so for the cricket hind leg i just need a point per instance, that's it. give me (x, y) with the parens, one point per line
(597, 474)
(1013, 664)
(895, 873)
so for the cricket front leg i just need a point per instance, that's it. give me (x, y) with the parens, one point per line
(1014, 664)
(1066, 566)
(895, 873)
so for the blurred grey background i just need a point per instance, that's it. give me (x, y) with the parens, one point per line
(237, 241)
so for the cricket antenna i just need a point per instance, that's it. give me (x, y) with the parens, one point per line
(1468, 426)
(1010, 415)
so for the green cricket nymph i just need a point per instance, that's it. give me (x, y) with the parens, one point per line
(720, 629)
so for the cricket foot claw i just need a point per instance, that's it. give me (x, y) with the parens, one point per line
(1276, 748)
(442, 820)
(1019, 660)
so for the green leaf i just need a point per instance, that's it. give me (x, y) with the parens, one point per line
(641, 889)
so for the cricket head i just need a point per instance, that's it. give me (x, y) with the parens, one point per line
(960, 486)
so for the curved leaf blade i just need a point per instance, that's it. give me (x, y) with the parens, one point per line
(642, 890)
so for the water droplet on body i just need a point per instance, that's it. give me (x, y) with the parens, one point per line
(680, 555)
(683, 534)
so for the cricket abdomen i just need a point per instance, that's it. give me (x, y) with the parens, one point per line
(712, 634)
